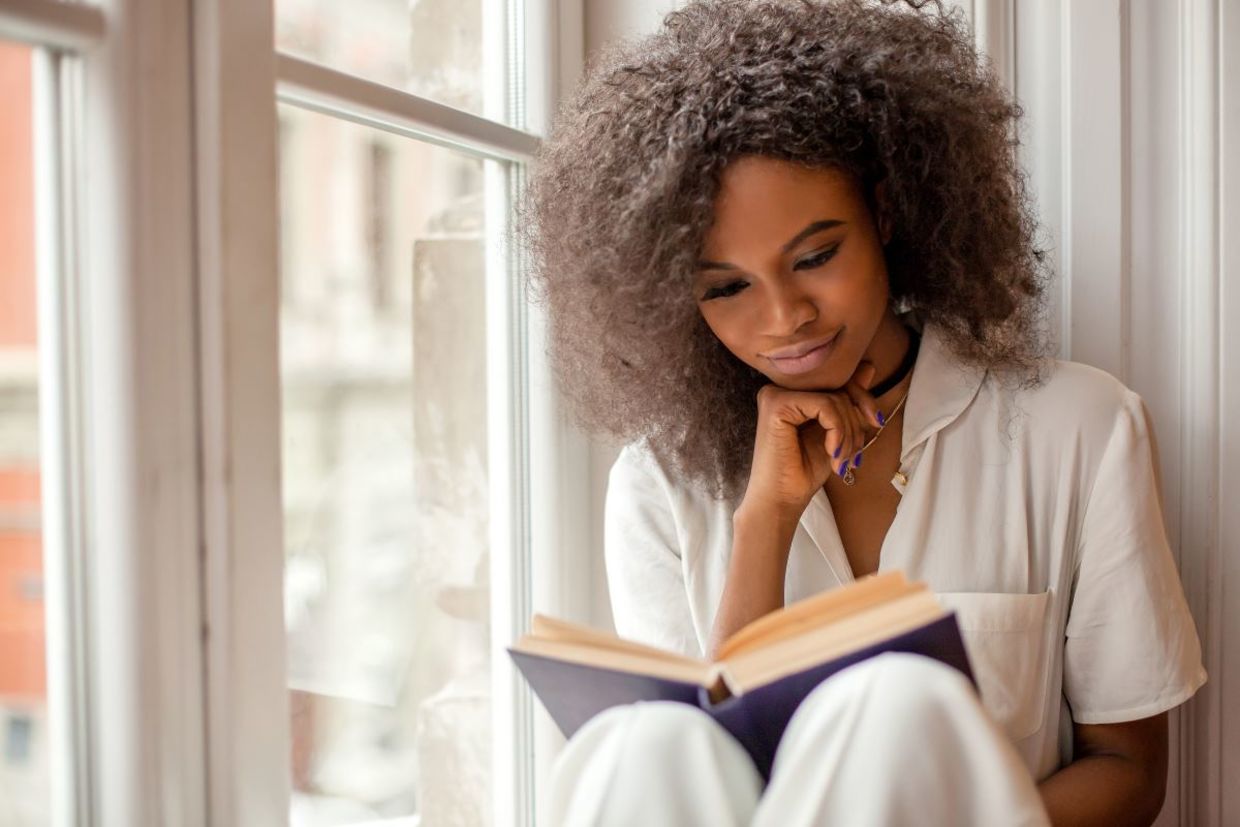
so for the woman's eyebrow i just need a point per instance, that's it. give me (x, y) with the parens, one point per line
(813, 227)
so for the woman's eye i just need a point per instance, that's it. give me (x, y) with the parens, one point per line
(816, 260)
(723, 291)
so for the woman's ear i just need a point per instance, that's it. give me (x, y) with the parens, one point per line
(884, 220)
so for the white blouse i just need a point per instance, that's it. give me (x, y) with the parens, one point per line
(1035, 515)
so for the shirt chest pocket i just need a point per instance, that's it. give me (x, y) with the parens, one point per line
(1005, 637)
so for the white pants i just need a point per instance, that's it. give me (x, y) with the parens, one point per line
(897, 739)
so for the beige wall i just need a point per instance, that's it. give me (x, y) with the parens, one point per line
(606, 20)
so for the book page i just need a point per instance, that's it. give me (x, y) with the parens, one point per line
(821, 644)
(749, 654)
(555, 629)
(818, 610)
(698, 672)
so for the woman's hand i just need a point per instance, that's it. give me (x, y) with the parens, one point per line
(799, 432)
(803, 437)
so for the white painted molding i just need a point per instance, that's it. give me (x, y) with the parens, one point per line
(1226, 674)
(144, 608)
(322, 89)
(994, 31)
(1095, 211)
(1199, 529)
(63, 421)
(1117, 158)
(509, 433)
(562, 555)
(508, 478)
(69, 26)
(238, 374)
(1040, 91)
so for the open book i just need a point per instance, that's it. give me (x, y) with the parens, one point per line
(762, 672)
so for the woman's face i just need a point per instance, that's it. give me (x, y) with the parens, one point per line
(793, 259)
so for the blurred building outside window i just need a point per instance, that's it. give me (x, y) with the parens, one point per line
(429, 48)
(383, 384)
(24, 759)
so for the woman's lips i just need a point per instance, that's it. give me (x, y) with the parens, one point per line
(806, 363)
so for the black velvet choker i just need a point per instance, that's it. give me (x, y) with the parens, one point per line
(910, 356)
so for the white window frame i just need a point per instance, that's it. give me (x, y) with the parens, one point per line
(121, 528)
(160, 307)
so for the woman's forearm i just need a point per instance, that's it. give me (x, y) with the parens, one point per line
(1100, 790)
(756, 572)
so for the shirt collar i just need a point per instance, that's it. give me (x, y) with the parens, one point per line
(941, 388)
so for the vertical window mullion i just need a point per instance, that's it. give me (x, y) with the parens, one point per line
(62, 419)
(237, 316)
(142, 513)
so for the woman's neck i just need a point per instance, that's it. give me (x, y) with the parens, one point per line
(887, 352)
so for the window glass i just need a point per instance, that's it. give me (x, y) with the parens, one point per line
(383, 382)
(431, 48)
(24, 764)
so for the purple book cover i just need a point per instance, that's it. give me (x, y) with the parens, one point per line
(573, 693)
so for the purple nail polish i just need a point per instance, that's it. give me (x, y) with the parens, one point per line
(882, 420)
(838, 448)
(857, 461)
(843, 467)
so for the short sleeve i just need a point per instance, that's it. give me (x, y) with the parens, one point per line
(645, 578)
(1132, 649)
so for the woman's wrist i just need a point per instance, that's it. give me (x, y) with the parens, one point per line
(762, 520)
(761, 541)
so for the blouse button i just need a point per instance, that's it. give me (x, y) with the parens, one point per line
(900, 482)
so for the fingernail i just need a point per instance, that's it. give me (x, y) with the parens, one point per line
(882, 420)
(857, 461)
(838, 448)
(843, 467)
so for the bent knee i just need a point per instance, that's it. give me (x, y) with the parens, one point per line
(900, 670)
(897, 682)
(657, 727)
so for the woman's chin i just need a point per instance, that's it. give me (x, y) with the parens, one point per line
(819, 381)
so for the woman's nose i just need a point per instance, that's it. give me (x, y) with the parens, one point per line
(789, 310)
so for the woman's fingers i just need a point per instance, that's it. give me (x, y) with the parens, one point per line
(831, 414)
(847, 428)
(832, 423)
(856, 434)
(858, 391)
(839, 451)
(795, 408)
(855, 431)
(863, 427)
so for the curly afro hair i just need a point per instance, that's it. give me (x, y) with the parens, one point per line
(622, 193)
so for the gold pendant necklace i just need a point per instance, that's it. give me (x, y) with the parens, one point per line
(849, 479)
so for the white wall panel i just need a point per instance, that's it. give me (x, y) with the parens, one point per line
(1226, 534)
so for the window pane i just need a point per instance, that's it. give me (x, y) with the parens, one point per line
(385, 475)
(431, 48)
(24, 764)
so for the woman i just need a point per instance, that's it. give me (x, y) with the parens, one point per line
(788, 258)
